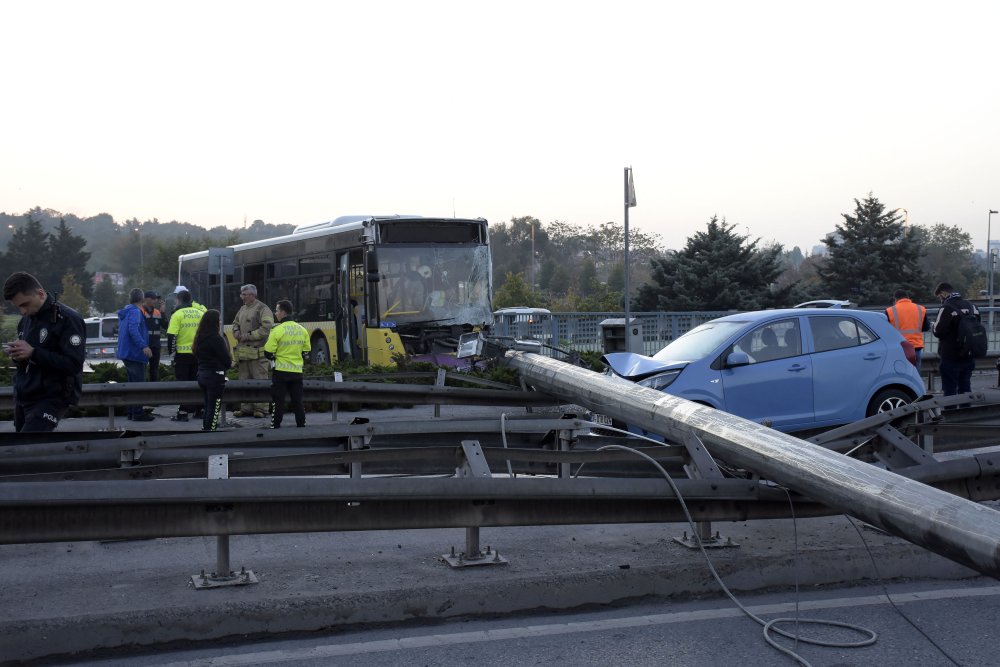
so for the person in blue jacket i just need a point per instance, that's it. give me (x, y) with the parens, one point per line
(133, 347)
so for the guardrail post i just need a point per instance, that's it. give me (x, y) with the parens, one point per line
(474, 466)
(218, 468)
(566, 440)
(111, 418)
(337, 377)
(439, 382)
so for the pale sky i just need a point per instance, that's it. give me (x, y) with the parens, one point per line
(774, 115)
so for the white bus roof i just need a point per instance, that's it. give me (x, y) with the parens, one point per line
(313, 230)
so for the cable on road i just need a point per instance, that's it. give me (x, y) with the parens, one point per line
(870, 636)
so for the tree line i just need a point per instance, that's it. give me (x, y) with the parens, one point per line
(557, 265)
(870, 254)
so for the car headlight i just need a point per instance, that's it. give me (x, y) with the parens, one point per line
(660, 381)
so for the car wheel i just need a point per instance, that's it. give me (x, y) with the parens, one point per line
(320, 353)
(886, 400)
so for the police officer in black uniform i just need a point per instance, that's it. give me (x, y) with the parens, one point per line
(49, 353)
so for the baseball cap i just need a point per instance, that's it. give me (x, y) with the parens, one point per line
(150, 294)
(180, 288)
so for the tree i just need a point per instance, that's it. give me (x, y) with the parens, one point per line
(948, 255)
(871, 256)
(67, 255)
(72, 295)
(27, 246)
(516, 292)
(106, 299)
(512, 245)
(717, 270)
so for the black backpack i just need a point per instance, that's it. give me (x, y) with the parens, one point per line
(971, 337)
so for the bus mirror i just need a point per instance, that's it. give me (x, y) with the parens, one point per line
(470, 345)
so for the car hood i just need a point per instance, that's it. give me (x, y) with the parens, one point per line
(637, 366)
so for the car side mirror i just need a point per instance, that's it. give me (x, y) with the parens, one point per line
(737, 359)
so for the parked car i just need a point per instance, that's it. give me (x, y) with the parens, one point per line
(825, 303)
(792, 369)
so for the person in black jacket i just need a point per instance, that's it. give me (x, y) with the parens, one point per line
(214, 359)
(49, 353)
(956, 366)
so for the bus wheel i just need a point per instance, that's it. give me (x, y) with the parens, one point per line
(320, 353)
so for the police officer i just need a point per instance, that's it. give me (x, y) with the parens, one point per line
(180, 336)
(49, 353)
(154, 323)
(288, 341)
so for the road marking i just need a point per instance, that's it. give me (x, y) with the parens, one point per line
(430, 641)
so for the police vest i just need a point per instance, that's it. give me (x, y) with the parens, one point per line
(287, 342)
(184, 325)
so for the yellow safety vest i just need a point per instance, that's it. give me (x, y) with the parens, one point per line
(287, 342)
(184, 325)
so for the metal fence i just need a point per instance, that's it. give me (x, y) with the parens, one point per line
(582, 331)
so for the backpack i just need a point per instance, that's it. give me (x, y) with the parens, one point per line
(971, 336)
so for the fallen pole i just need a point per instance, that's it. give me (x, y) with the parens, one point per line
(958, 529)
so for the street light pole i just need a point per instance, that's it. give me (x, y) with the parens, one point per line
(989, 265)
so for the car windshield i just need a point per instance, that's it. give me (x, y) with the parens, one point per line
(699, 342)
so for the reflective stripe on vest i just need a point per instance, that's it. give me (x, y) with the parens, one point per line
(909, 322)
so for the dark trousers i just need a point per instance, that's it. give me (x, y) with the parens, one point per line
(186, 369)
(956, 375)
(212, 385)
(282, 382)
(154, 363)
(38, 417)
(136, 372)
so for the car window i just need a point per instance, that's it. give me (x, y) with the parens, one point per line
(835, 333)
(699, 342)
(774, 340)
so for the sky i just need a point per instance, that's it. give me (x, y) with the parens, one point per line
(772, 115)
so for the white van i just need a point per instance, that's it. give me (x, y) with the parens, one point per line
(102, 337)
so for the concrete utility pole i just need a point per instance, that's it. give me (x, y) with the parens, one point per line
(953, 527)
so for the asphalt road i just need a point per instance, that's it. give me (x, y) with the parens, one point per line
(928, 624)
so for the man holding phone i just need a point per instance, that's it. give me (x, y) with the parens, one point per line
(49, 353)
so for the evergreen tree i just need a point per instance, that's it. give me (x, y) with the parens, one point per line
(717, 270)
(71, 294)
(871, 256)
(106, 299)
(67, 255)
(26, 252)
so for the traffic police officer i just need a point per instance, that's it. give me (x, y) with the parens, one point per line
(285, 346)
(180, 336)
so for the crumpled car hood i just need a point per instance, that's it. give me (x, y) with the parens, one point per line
(637, 366)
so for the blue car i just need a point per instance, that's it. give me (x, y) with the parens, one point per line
(792, 370)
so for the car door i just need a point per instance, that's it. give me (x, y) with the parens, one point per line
(775, 388)
(847, 360)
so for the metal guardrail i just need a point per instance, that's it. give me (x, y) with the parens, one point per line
(953, 527)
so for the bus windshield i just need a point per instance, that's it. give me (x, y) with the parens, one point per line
(434, 284)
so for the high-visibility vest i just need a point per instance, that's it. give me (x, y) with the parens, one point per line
(287, 342)
(184, 325)
(908, 317)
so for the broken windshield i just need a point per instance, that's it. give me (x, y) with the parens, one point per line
(444, 285)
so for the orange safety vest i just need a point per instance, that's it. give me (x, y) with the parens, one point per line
(908, 317)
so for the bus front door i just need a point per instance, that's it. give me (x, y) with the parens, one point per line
(348, 318)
